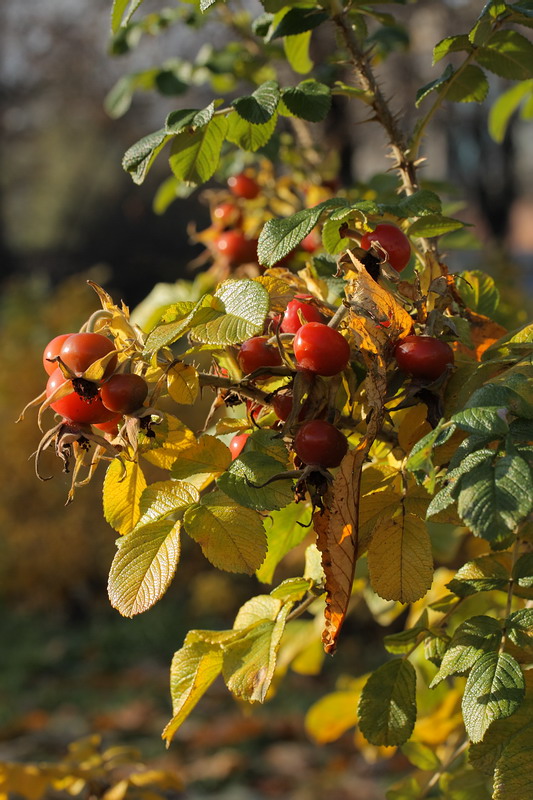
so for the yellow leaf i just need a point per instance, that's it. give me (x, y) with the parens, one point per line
(171, 438)
(412, 425)
(371, 305)
(123, 485)
(332, 715)
(399, 559)
(279, 291)
(374, 507)
(183, 384)
(202, 462)
(144, 566)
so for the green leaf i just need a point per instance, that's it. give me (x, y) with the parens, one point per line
(402, 641)
(260, 106)
(188, 118)
(269, 442)
(280, 236)
(508, 54)
(523, 576)
(169, 332)
(297, 52)
(479, 291)
(451, 44)
(472, 638)
(236, 313)
(309, 100)
(420, 462)
(434, 225)
(512, 778)
(231, 537)
(140, 156)
(519, 627)
(299, 20)
(244, 480)
(248, 136)
(433, 86)
(193, 670)
(468, 86)
(163, 498)
(481, 575)
(490, 420)
(283, 534)
(494, 498)
(144, 566)
(250, 661)
(421, 756)
(504, 107)
(494, 690)
(195, 153)
(119, 16)
(387, 708)
(421, 203)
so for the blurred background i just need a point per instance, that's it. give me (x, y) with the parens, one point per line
(71, 666)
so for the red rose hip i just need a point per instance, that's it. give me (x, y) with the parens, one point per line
(321, 349)
(256, 353)
(81, 350)
(291, 322)
(124, 393)
(423, 356)
(319, 442)
(393, 241)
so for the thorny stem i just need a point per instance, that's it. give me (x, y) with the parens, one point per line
(377, 101)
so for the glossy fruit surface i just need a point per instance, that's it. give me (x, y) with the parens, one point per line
(423, 356)
(236, 445)
(291, 322)
(282, 404)
(81, 350)
(321, 349)
(226, 215)
(74, 407)
(256, 353)
(236, 248)
(393, 241)
(319, 442)
(244, 186)
(52, 350)
(111, 426)
(124, 393)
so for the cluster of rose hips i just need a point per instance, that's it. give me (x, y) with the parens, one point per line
(231, 242)
(322, 350)
(94, 399)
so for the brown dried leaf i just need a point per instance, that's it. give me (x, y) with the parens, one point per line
(337, 527)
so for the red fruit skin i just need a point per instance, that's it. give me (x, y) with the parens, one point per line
(244, 186)
(321, 349)
(282, 405)
(319, 442)
(256, 353)
(81, 350)
(423, 356)
(393, 241)
(111, 426)
(124, 393)
(74, 407)
(291, 318)
(311, 242)
(236, 445)
(226, 215)
(236, 248)
(52, 350)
